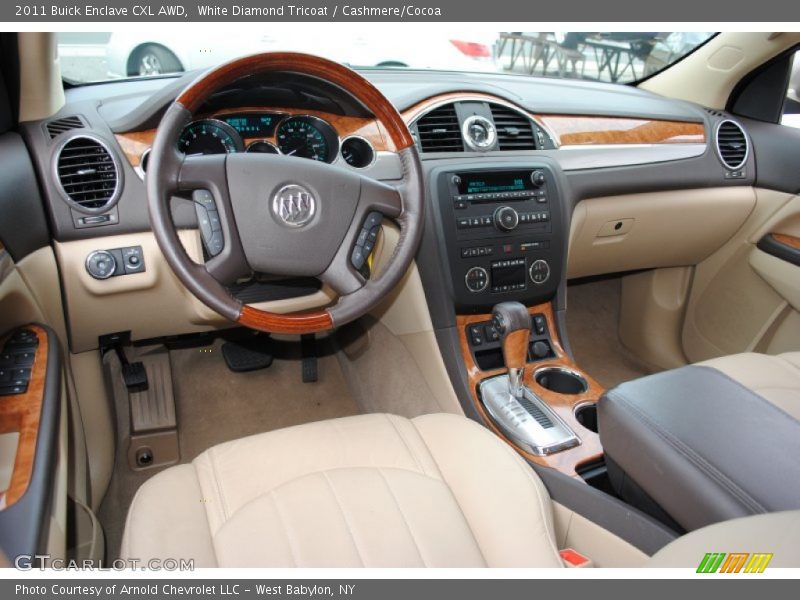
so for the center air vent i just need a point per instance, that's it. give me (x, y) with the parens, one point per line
(59, 126)
(87, 174)
(731, 145)
(439, 131)
(514, 130)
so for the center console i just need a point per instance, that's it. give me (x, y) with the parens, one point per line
(503, 234)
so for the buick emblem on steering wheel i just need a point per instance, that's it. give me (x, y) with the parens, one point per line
(294, 205)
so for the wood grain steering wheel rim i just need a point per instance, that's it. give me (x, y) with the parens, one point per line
(170, 173)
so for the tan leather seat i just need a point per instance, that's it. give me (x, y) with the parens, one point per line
(380, 490)
(371, 490)
(775, 378)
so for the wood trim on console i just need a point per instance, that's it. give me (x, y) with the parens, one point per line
(787, 240)
(21, 414)
(563, 405)
(135, 143)
(590, 130)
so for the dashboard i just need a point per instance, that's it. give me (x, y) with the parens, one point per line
(513, 167)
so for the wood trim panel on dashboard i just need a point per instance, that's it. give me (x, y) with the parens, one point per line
(135, 143)
(583, 129)
(589, 130)
(563, 405)
(21, 414)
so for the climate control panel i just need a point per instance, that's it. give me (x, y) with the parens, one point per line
(502, 228)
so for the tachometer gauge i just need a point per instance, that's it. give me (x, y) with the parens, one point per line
(209, 136)
(308, 137)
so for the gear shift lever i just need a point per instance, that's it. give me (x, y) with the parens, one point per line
(513, 322)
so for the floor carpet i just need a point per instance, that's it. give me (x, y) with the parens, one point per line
(592, 325)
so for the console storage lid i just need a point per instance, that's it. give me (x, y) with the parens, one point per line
(702, 446)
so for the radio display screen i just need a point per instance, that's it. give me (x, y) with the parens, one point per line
(253, 125)
(493, 182)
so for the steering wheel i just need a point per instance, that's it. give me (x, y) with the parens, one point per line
(282, 215)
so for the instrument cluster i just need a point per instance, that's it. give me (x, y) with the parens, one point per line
(303, 136)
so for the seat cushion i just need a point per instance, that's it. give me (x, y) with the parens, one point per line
(372, 490)
(775, 378)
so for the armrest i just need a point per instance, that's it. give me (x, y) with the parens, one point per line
(702, 446)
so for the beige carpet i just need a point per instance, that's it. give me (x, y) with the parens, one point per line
(592, 325)
(215, 405)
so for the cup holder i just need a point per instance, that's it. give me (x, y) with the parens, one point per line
(561, 381)
(586, 415)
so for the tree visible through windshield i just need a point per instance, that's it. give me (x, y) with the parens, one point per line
(612, 57)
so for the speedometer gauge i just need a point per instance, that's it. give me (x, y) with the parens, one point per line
(209, 136)
(308, 137)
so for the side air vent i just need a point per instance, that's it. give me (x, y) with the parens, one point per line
(731, 145)
(439, 131)
(87, 173)
(59, 126)
(514, 130)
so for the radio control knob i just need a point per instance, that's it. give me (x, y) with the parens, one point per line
(506, 218)
(476, 279)
(537, 178)
(456, 180)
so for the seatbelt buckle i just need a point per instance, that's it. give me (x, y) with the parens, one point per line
(575, 560)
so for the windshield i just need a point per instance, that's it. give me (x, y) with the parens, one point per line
(612, 57)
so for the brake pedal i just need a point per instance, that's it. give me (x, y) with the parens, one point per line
(308, 346)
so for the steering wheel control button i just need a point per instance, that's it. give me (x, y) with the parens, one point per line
(539, 272)
(476, 279)
(210, 228)
(506, 218)
(215, 243)
(205, 199)
(101, 264)
(294, 206)
(365, 242)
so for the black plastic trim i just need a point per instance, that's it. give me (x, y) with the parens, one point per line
(775, 248)
(24, 526)
(23, 225)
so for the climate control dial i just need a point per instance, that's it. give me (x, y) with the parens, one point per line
(476, 279)
(506, 218)
(539, 272)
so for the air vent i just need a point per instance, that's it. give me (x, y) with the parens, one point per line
(439, 131)
(59, 126)
(87, 173)
(514, 130)
(731, 145)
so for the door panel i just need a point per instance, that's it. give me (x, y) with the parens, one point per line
(742, 298)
